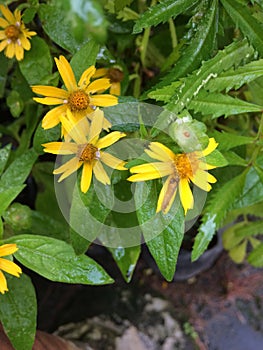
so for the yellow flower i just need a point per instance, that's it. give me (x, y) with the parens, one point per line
(14, 37)
(180, 169)
(87, 150)
(115, 75)
(7, 265)
(79, 98)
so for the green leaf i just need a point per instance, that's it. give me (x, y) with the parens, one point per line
(235, 78)
(162, 13)
(250, 229)
(88, 212)
(252, 192)
(44, 178)
(4, 155)
(15, 103)
(216, 158)
(238, 253)
(85, 18)
(248, 24)
(18, 312)
(120, 4)
(215, 211)
(126, 259)
(180, 99)
(37, 63)
(3, 74)
(19, 169)
(255, 258)
(227, 140)
(56, 261)
(84, 58)
(44, 136)
(56, 27)
(233, 159)
(198, 49)
(217, 105)
(22, 219)
(230, 238)
(8, 194)
(163, 233)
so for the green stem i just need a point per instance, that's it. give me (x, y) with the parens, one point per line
(144, 44)
(173, 33)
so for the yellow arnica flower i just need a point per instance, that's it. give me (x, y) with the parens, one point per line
(86, 149)
(115, 75)
(79, 98)
(7, 265)
(14, 37)
(180, 169)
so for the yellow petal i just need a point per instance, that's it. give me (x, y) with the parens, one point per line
(10, 267)
(103, 100)
(3, 45)
(4, 23)
(167, 195)
(205, 166)
(60, 147)
(66, 73)
(50, 91)
(3, 283)
(110, 139)
(209, 149)
(186, 195)
(49, 101)
(115, 88)
(25, 43)
(70, 171)
(160, 152)
(201, 181)
(72, 129)
(2, 34)
(144, 176)
(98, 85)
(8, 249)
(86, 177)
(52, 118)
(10, 50)
(17, 15)
(96, 126)
(101, 174)
(163, 169)
(8, 14)
(112, 162)
(19, 52)
(101, 72)
(73, 164)
(85, 77)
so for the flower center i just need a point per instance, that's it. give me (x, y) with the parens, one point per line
(78, 100)
(89, 152)
(186, 165)
(12, 32)
(115, 75)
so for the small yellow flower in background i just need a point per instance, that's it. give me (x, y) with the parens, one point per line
(14, 37)
(7, 265)
(115, 75)
(86, 149)
(180, 169)
(79, 98)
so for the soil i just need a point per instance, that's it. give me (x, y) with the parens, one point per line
(219, 309)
